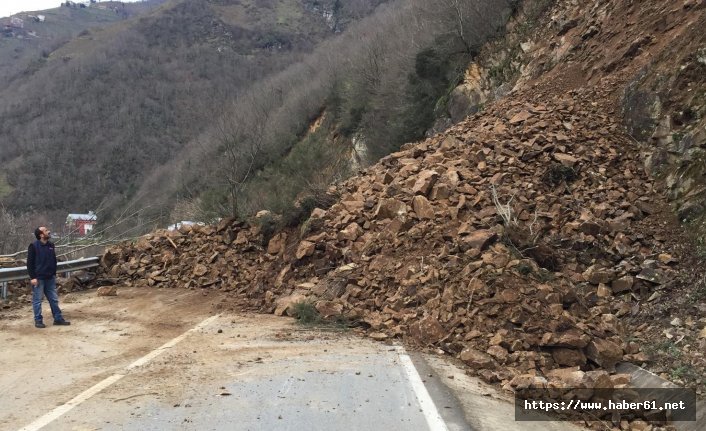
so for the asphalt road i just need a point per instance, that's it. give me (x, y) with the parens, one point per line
(154, 360)
(165, 359)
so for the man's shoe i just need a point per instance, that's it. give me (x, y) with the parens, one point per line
(62, 322)
(39, 325)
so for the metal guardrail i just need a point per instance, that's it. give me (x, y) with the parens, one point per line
(13, 274)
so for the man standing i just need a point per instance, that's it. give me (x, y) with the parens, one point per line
(41, 265)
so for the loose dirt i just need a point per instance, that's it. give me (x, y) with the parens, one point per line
(46, 367)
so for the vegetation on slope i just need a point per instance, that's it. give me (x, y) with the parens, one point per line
(380, 85)
(90, 119)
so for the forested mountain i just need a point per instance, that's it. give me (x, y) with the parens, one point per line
(84, 121)
(206, 108)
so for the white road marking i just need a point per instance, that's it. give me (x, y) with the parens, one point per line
(431, 413)
(65, 408)
(83, 396)
(148, 357)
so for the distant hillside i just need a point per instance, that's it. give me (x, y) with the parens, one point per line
(106, 98)
(29, 36)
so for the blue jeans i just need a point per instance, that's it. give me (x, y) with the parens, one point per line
(46, 288)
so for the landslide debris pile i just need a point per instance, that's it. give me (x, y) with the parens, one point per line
(515, 242)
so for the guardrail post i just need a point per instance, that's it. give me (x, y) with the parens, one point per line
(4, 290)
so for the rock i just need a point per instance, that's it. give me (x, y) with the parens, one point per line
(440, 191)
(526, 46)
(277, 243)
(488, 376)
(110, 258)
(318, 213)
(598, 379)
(263, 214)
(527, 381)
(652, 275)
(329, 308)
(567, 377)
(590, 228)
(378, 336)
(200, 270)
(604, 291)
(477, 360)
(351, 232)
(623, 284)
(422, 207)
(285, 305)
(568, 357)
(467, 97)
(571, 338)
(499, 353)
(620, 379)
(353, 206)
(305, 249)
(465, 229)
(306, 287)
(640, 425)
(595, 275)
(509, 296)
(498, 260)
(425, 181)
(241, 238)
(72, 298)
(427, 331)
(565, 159)
(480, 239)
(441, 277)
(107, 291)
(520, 117)
(390, 208)
(604, 353)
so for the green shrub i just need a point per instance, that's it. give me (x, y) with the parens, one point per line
(306, 313)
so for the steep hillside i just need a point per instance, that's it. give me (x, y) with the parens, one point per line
(109, 106)
(652, 54)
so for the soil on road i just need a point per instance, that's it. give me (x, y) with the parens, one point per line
(42, 368)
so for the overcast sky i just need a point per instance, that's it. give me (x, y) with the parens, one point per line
(11, 7)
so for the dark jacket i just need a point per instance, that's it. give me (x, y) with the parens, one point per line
(41, 260)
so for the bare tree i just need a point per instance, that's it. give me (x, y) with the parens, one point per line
(242, 139)
(13, 235)
(471, 22)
